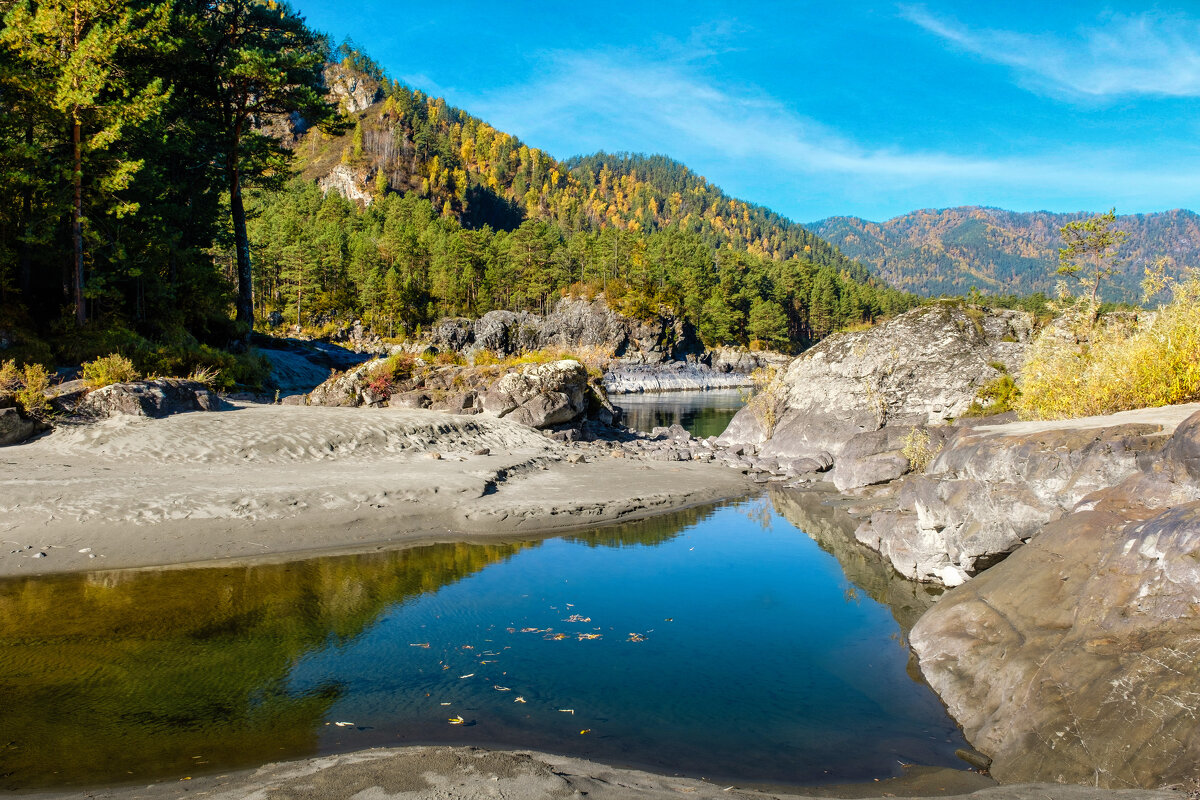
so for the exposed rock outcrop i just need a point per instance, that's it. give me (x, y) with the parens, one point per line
(15, 427)
(1074, 659)
(157, 398)
(992, 488)
(577, 324)
(924, 367)
(538, 395)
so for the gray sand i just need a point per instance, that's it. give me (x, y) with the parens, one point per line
(278, 480)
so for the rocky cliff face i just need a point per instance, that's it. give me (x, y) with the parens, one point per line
(922, 368)
(574, 323)
(1075, 659)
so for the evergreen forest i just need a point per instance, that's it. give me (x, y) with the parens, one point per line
(175, 172)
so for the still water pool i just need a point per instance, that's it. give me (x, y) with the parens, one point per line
(705, 413)
(720, 642)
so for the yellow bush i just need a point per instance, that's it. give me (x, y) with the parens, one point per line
(1110, 368)
(918, 450)
(31, 398)
(109, 369)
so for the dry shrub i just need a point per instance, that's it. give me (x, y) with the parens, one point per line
(764, 397)
(918, 451)
(1111, 368)
(29, 385)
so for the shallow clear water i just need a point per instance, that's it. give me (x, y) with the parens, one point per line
(721, 642)
(705, 413)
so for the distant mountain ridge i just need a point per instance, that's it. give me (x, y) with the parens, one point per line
(947, 251)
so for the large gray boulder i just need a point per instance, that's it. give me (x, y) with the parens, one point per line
(157, 398)
(992, 488)
(1074, 660)
(926, 365)
(540, 395)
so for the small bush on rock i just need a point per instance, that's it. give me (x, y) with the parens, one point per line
(918, 451)
(107, 370)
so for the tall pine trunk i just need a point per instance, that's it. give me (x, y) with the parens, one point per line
(77, 217)
(241, 246)
(77, 227)
(25, 259)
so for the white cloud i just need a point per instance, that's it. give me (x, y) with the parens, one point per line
(1121, 55)
(621, 100)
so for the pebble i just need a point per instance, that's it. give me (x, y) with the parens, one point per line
(483, 451)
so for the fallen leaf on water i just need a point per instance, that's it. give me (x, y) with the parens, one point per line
(518, 699)
(343, 724)
(555, 637)
(419, 644)
(583, 636)
(570, 711)
(502, 688)
(577, 618)
(456, 720)
(468, 675)
(585, 730)
(636, 637)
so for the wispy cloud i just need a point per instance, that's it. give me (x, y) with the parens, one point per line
(1120, 55)
(622, 100)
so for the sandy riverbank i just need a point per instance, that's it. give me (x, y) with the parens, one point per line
(465, 773)
(272, 481)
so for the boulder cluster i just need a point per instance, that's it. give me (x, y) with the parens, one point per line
(1067, 641)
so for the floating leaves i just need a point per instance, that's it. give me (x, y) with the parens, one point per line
(423, 645)
(583, 636)
(577, 618)
(636, 637)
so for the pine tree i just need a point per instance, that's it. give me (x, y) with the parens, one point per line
(265, 62)
(75, 45)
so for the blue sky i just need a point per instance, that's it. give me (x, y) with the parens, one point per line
(818, 109)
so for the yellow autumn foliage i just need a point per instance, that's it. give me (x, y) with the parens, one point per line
(1108, 368)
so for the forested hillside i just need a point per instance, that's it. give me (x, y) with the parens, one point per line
(419, 210)
(173, 172)
(948, 251)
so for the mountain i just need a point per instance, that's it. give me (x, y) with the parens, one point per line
(411, 209)
(947, 251)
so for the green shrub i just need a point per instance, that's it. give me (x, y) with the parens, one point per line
(31, 397)
(997, 396)
(109, 369)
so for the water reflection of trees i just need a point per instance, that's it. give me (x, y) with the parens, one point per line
(108, 672)
(646, 532)
(833, 531)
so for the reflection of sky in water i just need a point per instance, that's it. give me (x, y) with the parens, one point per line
(704, 413)
(758, 661)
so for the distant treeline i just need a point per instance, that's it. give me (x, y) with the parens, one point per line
(400, 264)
